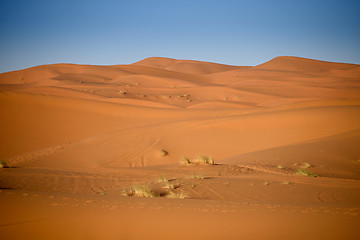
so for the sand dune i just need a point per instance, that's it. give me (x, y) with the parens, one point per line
(186, 66)
(304, 65)
(75, 137)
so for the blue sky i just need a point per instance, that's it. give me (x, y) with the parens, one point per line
(107, 32)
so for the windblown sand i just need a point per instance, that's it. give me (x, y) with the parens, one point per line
(76, 139)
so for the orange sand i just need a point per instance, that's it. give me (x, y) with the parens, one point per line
(75, 136)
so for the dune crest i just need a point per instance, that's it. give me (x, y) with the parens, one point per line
(186, 66)
(287, 63)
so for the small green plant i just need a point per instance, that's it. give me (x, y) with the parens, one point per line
(180, 195)
(3, 164)
(303, 172)
(140, 191)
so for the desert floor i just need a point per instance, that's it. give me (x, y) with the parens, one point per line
(78, 140)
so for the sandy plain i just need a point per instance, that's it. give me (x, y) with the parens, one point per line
(77, 138)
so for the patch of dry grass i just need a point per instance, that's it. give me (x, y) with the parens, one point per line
(304, 172)
(162, 179)
(199, 159)
(3, 164)
(185, 161)
(169, 185)
(203, 159)
(140, 191)
(179, 195)
(198, 176)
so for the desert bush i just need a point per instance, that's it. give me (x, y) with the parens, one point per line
(169, 185)
(199, 159)
(203, 159)
(211, 161)
(3, 164)
(303, 172)
(140, 191)
(184, 161)
(198, 176)
(180, 195)
(162, 179)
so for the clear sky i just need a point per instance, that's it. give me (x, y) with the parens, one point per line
(237, 32)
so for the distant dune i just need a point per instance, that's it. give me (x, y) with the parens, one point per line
(75, 137)
(186, 66)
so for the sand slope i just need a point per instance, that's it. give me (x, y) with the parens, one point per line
(76, 136)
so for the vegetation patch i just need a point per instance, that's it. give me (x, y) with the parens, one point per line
(3, 164)
(162, 179)
(199, 159)
(169, 185)
(185, 161)
(180, 195)
(304, 172)
(198, 176)
(140, 191)
(203, 159)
